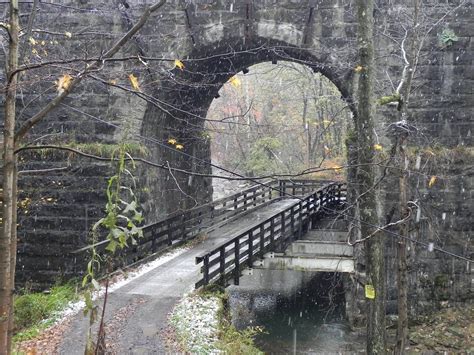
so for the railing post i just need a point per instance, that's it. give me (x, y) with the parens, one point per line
(300, 217)
(170, 233)
(272, 233)
(222, 265)
(281, 188)
(206, 269)
(183, 227)
(255, 198)
(236, 262)
(262, 240)
(153, 241)
(250, 261)
(283, 227)
(292, 224)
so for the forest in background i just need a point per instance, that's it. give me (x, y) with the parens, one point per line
(279, 119)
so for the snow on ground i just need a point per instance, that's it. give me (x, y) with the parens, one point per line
(195, 320)
(119, 281)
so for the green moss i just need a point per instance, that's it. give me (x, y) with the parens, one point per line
(441, 280)
(36, 311)
(442, 156)
(105, 150)
(384, 100)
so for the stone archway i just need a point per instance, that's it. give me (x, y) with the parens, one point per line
(187, 97)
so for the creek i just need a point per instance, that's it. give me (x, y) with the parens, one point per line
(307, 318)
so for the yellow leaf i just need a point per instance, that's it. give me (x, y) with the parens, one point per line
(178, 64)
(68, 34)
(235, 81)
(32, 41)
(358, 68)
(432, 181)
(113, 82)
(43, 43)
(34, 51)
(326, 123)
(369, 292)
(179, 146)
(63, 83)
(134, 82)
(378, 147)
(172, 141)
(337, 168)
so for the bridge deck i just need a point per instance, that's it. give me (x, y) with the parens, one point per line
(149, 298)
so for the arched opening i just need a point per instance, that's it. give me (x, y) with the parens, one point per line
(278, 118)
(182, 107)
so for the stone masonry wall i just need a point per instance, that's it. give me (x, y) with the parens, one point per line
(215, 39)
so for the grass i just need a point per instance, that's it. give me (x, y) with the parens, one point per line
(231, 340)
(36, 311)
(226, 338)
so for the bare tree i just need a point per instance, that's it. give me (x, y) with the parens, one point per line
(12, 140)
(374, 247)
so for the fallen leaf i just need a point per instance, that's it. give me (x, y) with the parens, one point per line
(432, 181)
(179, 146)
(68, 34)
(235, 81)
(172, 141)
(378, 147)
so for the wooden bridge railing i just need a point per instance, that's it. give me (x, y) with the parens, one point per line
(226, 261)
(182, 226)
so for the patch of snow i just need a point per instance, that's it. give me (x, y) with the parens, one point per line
(196, 322)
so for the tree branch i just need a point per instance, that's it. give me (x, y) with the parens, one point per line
(77, 80)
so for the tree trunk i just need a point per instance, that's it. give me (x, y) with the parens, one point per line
(404, 91)
(374, 246)
(308, 135)
(402, 328)
(9, 202)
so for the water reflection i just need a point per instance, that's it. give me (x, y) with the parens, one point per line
(309, 320)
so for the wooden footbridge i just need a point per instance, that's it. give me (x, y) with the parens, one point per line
(242, 228)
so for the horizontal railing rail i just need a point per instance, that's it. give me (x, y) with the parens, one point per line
(182, 226)
(227, 260)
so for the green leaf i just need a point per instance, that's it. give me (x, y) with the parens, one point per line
(84, 280)
(95, 284)
(132, 206)
(112, 246)
(88, 300)
(138, 217)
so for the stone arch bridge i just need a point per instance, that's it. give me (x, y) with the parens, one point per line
(215, 39)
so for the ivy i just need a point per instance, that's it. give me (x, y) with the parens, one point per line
(447, 37)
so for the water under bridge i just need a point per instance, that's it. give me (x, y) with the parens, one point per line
(269, 225)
